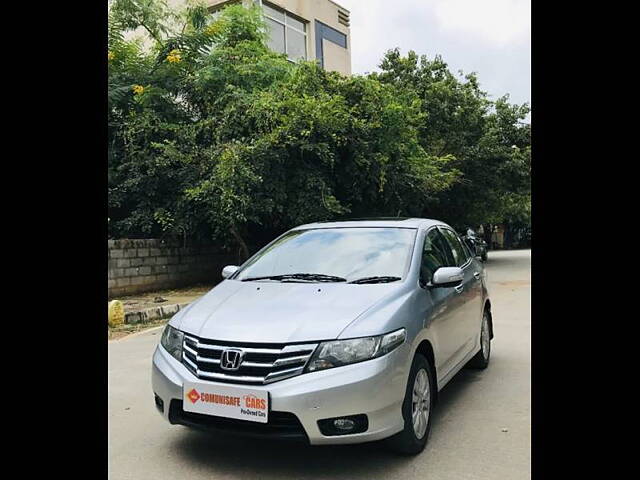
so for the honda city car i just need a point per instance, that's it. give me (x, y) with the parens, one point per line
(334, 333)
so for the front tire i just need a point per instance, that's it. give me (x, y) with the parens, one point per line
(484, 256)
(481, 359)
(417, 409)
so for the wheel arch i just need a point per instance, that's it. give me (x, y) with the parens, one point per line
(487, 308)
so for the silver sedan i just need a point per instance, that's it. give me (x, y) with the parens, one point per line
(334, 333)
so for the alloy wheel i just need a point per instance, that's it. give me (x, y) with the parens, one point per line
(486, 337)
(421, 403)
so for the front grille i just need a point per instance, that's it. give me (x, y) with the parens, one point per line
(262, 363)
(284, 425)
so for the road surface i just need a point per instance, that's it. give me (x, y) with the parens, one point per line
(481, 426)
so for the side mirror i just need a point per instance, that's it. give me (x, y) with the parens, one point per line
(229, 270)
(446, 277)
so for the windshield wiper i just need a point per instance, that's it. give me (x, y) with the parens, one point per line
(380, 279)
(318, 277)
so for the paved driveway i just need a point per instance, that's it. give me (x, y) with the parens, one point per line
(481, 427)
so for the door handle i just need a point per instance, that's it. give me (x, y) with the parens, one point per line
(477, 275)
(459, 288)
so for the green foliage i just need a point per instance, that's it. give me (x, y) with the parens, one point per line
(489, 142)
(212, 135)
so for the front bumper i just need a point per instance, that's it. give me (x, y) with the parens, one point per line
(374, 387)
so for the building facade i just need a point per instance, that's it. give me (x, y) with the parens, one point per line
(306, 29)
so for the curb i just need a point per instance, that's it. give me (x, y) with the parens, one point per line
(136, 334)
(153, 313)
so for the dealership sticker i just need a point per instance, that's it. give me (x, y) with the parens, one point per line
(226, 401)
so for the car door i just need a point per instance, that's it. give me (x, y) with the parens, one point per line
(469, 295)
(440, 306)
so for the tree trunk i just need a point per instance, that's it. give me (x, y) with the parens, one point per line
(508, 237)
(244, 250)
(488, 233)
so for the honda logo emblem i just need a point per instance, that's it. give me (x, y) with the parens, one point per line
(231, 359)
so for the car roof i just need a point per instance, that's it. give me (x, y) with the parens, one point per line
(397, 222)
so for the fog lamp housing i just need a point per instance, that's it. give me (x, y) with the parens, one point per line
(331, 427)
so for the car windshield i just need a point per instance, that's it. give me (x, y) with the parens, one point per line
(347, 254)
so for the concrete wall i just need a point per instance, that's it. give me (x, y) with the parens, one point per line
(336, 58)
(137, 266)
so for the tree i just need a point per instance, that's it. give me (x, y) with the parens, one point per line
(488, 141)
(212, 135)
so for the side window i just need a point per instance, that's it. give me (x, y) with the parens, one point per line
(460, 255)
(468, 246)
(435, 254)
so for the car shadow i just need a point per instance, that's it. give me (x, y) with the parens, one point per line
(239, 457)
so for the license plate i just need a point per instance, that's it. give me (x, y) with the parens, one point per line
(226, 401)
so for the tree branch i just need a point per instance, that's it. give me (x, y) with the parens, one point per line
(243, 246)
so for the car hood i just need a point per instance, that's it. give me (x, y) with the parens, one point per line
(264, 312)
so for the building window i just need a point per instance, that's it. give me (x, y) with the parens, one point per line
(325, 32)
(287, 34)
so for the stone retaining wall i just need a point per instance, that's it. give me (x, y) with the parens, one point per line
(138, 266)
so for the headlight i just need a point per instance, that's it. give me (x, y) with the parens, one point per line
(343, 352)
(172, 342)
